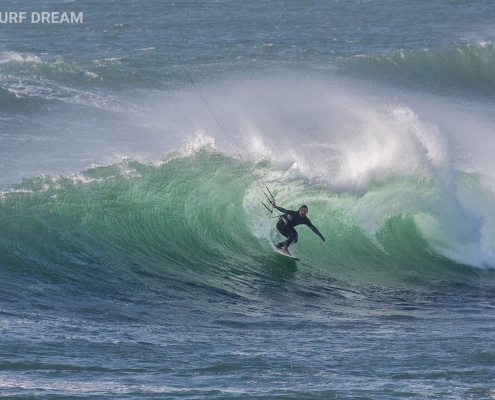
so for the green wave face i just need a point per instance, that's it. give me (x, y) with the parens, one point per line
(197, 221)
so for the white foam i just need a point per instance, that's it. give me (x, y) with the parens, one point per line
(9, 56)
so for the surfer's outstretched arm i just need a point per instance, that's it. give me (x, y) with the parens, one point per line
(315, 230)
(281, 209)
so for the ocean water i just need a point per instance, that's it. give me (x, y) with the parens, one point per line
(136, 258)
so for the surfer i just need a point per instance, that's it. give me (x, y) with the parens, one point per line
(288, 221)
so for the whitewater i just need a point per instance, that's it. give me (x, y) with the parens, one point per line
(136, 258)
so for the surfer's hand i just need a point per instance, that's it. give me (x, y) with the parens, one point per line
(322, 238)
(273, 204)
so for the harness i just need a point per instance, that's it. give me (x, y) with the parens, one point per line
(284, 218)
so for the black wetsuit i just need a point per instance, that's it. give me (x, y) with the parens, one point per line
(288, 221)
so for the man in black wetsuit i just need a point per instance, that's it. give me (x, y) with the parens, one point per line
(288, 221)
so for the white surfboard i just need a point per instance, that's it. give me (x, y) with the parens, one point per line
(286, 255)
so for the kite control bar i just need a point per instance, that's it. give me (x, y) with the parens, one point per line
(270, 200)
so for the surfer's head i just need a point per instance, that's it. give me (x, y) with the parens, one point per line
(303, 210)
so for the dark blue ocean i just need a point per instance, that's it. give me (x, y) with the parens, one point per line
(136, 258)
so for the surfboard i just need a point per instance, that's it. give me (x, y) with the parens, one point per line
(286, 255)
